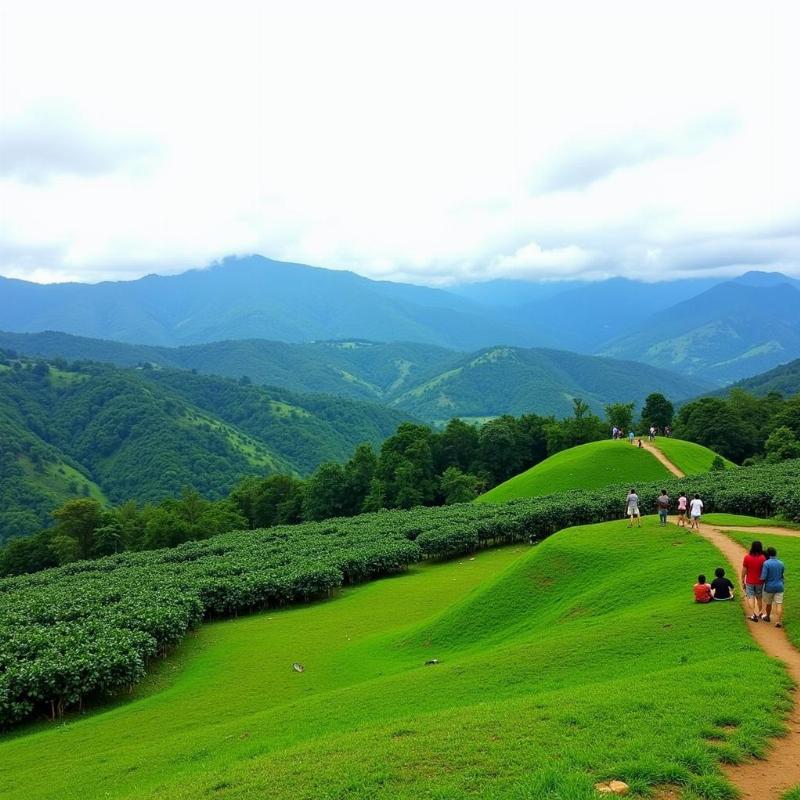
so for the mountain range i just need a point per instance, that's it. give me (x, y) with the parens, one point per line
(428, 382)
(717, 331)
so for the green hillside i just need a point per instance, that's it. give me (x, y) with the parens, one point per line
(690, 458)
(551, 673)
(784, 379)
(120, 434)
(428, 382)
(589, 466)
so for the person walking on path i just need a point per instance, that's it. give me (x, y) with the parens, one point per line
(683, 502)
(631, 436)
(632, 503)
(663, 507)
(772, 575)
(752, 585)
(695, 512)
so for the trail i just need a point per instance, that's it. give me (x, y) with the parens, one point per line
(769, 778)
(766, 530)
(678, 473)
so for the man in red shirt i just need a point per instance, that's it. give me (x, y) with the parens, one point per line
(752, 584)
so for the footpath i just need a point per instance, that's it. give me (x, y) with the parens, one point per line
(768, 778)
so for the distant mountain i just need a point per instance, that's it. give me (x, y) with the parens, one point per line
(428, 382)
(254, 297)
(509, 380)
(145, 433)
(731, 331)
(784, 379)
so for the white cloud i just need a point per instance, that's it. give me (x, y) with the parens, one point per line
(425, 142)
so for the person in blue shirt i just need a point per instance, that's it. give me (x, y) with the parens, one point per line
(772, 575)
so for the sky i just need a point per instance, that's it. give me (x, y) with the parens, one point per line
(431, 142)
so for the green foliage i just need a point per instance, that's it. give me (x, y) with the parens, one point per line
(782, 444)
(90, 627)
(620, 415)
(551, 673)
(458, 487)
(739, 425)
(657, 412)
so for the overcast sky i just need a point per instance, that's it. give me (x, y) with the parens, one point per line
(429, 141)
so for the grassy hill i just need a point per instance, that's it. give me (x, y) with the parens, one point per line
(589, 466)
(552, 672)
(120, 434)
(598, 464)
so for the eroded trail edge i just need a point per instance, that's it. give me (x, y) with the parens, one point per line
(654, 451)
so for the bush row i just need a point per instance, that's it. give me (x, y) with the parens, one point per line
(91, 627)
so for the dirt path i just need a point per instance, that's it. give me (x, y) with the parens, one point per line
(763, 779)
(762, 532)
(678, 473)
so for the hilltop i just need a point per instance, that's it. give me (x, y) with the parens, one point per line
(598, 464)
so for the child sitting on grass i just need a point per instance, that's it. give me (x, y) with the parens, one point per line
(702, 590)
(721, 587)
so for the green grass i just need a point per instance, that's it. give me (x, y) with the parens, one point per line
(691, 458)
(789, 552)
(747, 522)
(590, 466)
(578, 660)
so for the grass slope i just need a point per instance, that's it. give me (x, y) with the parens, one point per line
(692, 458)
(552, 673)
(589, 466)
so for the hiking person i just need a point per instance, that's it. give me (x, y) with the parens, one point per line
(772, 575)
(632, 504)
(683, 501)
(614, 432)
(721, 587)
(695, 512)
(640, 443)
(631, 436)
(652, 433)
(752, 585)
(702, 590)
(662, 503)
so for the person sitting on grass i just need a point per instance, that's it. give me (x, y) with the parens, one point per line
(752, 585)
(772, 575)
(632, 504)
(721, 587)
(702, 590)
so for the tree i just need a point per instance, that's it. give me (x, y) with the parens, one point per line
(358, 474)
(712, 422)
(456, 446)
(325, 491)
(782, 444)
(657, 412)
(78, 520)
(580, 408)
(458, 487)
(620, 415)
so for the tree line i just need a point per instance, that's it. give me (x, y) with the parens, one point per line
(416, 466)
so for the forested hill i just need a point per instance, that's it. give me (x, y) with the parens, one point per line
(784, 379)
(429, 382)
(143, 434)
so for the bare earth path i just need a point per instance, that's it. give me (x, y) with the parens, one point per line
(763, 779)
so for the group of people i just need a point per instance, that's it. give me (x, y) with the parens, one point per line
(762, 582)
(694, 507)
(619, 433)
(762, 571)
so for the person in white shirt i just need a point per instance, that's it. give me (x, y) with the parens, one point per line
(695, 510)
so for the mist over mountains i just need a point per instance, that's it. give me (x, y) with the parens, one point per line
(719, 331)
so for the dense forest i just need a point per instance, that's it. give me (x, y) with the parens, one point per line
(93, 430)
